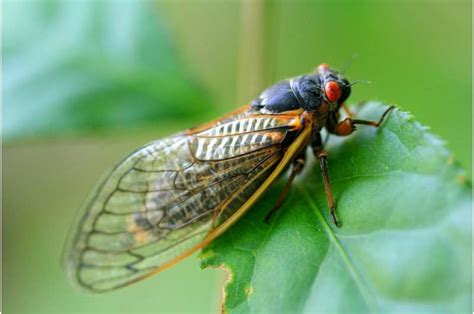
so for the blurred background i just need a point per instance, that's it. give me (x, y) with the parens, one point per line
(86, 82)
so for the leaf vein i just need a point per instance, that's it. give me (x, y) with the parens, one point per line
(361, 284)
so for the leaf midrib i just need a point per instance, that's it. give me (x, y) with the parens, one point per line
(368, 298)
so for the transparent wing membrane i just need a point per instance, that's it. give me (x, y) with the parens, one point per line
(164, 200)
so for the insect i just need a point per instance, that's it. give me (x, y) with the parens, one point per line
(175, 195)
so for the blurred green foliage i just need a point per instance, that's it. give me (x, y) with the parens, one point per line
(88, 66)
(155, 67)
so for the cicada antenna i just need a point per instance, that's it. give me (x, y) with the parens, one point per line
(348, 63)
(360, 81)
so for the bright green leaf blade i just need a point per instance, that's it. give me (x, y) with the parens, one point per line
(404, 246)
(82, 66)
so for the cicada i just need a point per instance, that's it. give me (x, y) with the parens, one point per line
(173, 196)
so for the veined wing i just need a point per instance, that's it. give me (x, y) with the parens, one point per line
(175, 195)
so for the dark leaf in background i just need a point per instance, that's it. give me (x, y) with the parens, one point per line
(84, 66)
(404, 246)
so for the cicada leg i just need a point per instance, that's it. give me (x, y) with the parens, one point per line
(357, 108)
(348, 112)
(298, 165)
(319, 153)
(348, 125)
(352, 113)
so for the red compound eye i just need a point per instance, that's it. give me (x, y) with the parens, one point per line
(333, 91)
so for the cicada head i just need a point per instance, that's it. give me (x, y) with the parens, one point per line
(325, 86)
(335, 87)
(308, 92)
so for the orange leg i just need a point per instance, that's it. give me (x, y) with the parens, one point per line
(322, 156)
(348, 125)
(319, 153)
(298, 166)
(347, 111)
(359, 107)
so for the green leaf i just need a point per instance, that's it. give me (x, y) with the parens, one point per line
(404, 245)
(82, 66)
